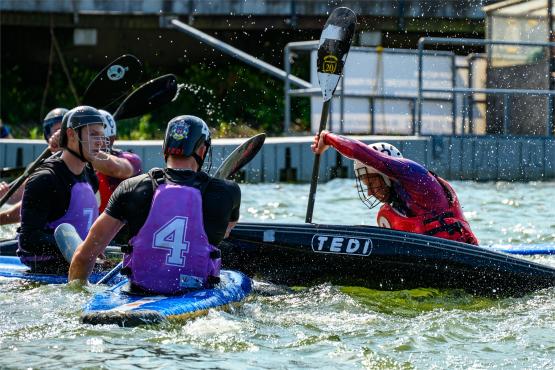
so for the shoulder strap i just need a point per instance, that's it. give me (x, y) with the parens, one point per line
(157, 176)
(201, 181)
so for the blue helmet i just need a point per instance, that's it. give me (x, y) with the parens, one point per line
(54, 116)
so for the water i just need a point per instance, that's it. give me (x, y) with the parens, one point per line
(325, 326)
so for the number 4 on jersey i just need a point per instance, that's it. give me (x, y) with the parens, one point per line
(172, 236)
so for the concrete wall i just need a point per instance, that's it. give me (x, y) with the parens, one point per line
(290, 159)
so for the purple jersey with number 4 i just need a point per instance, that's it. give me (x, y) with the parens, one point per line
(171, 253)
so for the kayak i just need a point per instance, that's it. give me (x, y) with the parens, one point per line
(9, 248)
(378, 258)
(525, 250)
(118, 306)
(11, 267)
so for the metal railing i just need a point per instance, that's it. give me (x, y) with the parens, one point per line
(341, 93)
(550, 94)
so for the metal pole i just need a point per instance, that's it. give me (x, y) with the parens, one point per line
(412, 104)
(506, 117)
(551, 113)
(286, 88)
(342, 104)
(470, 101)
(238, 54)
(453, 95)
(372, 118)
(549, 123)
(420, 80)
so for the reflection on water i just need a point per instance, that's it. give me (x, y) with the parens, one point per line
(315, 327)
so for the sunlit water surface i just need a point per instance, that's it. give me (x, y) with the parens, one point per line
(319, 327)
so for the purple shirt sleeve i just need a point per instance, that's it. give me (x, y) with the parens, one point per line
(135, 161)
(419, 190)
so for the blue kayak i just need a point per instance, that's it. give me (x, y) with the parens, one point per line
(11, 267)
(525, 249)
(118, 306)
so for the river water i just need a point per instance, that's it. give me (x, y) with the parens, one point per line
(320, 327)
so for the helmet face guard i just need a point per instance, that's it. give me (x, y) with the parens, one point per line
(363, 189)
(76, 119)
(362, 171)
(96, 145)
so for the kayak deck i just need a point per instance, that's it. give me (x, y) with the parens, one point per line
(378, 258)
(11, 267)
(118, 306)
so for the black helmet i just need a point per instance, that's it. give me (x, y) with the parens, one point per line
(79, 117)
(184, 135)
(53, 117)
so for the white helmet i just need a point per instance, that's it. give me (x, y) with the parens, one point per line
(109, 123)
(384, 148)
(362, 169)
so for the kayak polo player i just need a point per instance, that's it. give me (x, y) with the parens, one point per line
(414, 199)
(176, 217)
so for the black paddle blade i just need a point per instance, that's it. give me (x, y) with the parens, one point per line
(148, 97)
(242, 155)
(334, 46)
(8, 172)
(113, 82)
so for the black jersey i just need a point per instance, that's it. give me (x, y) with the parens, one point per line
(46, 198)
(221, 200)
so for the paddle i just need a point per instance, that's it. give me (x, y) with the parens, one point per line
(109, 85)
(11, 171)
(113, 82)
(148, 97)
(67, 239)
(21, 179)
(335, 42)
(242, 155)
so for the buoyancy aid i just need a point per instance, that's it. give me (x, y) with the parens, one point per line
(81, 213)
(447, 224)
(82, 210)
(107, 184)
(171, 254)
(105, 189)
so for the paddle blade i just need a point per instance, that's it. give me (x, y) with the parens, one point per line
(113, 82)
(67, 239)
(242, 155)
(148, 97)
(333, 48)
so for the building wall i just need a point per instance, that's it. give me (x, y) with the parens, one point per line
(527, 114)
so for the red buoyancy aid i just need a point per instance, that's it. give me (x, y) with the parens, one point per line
(105, 189)
(107, 184)
(448, 224)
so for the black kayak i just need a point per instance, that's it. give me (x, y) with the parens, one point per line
(378, 258)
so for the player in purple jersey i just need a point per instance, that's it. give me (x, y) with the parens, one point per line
(176, 218)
